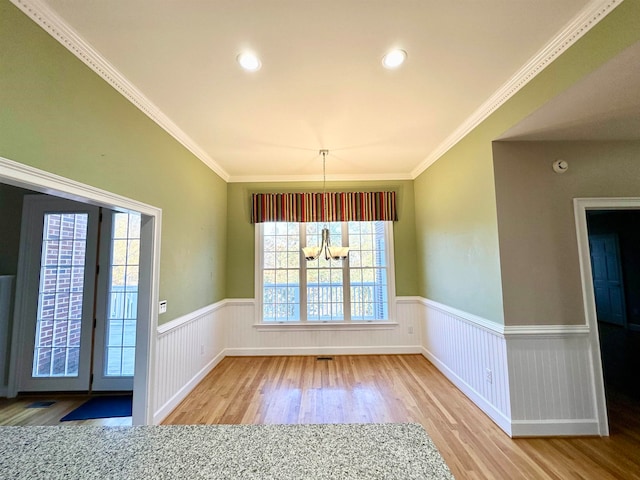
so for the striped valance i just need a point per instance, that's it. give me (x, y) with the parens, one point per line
(323, 207)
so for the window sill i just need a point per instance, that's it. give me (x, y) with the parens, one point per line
(293, 326)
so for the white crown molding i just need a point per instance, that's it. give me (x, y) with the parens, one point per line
(588, 18)
(318, 178)
(46, 18)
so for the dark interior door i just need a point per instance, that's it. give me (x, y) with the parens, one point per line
(607, 279)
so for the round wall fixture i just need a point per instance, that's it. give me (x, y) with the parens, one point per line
(560, 166)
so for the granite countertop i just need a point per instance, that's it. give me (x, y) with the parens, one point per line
(351, 451)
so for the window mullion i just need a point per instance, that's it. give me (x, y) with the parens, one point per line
(303, 273)
(259, 267)
(346, 277)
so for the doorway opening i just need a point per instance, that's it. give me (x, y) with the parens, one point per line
(608, 234)
(614, 244)
(78, 276)
(37, 181)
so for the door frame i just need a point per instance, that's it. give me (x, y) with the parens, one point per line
(24, 176)
(580, 208)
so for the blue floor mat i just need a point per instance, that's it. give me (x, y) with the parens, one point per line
(102, 407)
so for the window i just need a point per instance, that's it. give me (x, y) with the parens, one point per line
(293, 290)
(122, 315)
(62, 272)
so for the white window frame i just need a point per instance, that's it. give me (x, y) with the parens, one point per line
(305, 324)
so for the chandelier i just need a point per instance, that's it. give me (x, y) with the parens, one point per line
(330, 253)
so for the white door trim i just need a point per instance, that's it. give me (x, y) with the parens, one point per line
(580, 207)
(24, 176)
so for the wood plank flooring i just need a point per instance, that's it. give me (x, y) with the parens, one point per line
(406, 388)
(15, 412)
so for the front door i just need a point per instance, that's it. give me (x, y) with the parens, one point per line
(58, 262)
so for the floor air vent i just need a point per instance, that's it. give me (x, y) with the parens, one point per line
(324, 358)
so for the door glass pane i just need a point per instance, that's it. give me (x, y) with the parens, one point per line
(60, 295)
(123, 295)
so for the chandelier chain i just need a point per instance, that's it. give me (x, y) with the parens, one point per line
(324, 185)
(312, 253)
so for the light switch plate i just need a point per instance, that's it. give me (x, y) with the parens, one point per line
(163, 307)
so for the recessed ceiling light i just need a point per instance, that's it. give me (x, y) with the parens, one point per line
(249, 61)
(394, 58)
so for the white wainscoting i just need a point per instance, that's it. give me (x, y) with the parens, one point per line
(552, 383)
(187, 349)
(246, 338)
(532, 381)
(542, 376)
(463, 347)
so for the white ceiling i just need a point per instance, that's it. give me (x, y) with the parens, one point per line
(321, 84)
(604, 105)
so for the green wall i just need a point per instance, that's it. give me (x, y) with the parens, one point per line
(241, 233)
(58, 115)
(456, 232)
(456, 219)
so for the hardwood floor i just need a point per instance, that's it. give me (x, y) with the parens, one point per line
(385, 388)
(406, 388)
(17, 412)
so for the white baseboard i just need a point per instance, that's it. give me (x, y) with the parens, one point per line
(181, 394)
(555, 428)
(503, 422)
(307, 351)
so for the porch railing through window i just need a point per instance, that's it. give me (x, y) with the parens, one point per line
(368, 303)
(122, 311)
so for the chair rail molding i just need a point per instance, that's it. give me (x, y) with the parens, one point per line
(189, 347)
(532, 380)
